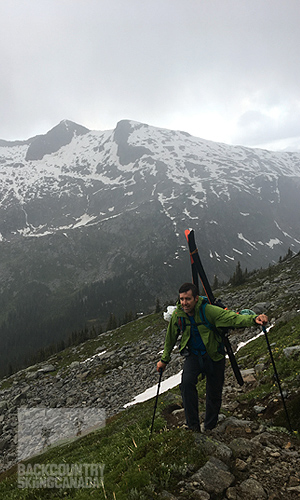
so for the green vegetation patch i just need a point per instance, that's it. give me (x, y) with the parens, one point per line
(281, 336)
(135, 467)
(293, 409)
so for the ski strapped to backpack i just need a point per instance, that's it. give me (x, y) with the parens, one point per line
(197, 269)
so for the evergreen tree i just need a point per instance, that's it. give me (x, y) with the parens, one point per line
(157, 306)
(60, 346)
(238, 277)
(289, 254)
(215, 283)
(112, 322)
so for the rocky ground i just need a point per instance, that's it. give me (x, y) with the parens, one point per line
(247, 461)
(248, 458)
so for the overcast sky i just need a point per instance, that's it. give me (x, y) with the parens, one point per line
(224, 70)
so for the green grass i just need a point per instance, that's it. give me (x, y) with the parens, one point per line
(135, 467)
(282, 335)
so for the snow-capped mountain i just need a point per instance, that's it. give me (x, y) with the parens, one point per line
(108, 173)
(80, 207)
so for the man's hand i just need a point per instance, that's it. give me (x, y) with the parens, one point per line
(262, 319)
(161, 366)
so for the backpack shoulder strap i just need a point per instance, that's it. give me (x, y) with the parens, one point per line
(202, 314)
(217, 332)
(181, 324)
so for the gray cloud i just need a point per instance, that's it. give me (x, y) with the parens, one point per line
(223, 70)
(256, 128)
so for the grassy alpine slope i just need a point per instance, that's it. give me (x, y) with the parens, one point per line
(138, 468)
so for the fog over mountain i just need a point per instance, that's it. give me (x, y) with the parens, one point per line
(92, 223)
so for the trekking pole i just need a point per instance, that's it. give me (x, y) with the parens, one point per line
(277, 379)
(156, 400)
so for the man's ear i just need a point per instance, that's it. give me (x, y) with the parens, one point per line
(197, 298)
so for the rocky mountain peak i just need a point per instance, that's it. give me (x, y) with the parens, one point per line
(52, 141)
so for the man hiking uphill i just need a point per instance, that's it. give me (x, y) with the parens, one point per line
(203, 350)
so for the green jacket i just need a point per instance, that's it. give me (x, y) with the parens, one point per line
(220, 318)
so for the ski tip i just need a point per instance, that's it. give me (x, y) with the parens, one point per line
(187, 233)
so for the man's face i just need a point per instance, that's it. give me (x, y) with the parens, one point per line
(188, 302)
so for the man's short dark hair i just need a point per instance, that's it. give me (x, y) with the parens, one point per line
(189, 286)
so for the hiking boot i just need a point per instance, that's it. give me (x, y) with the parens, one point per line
(207, 432)
(193, 429)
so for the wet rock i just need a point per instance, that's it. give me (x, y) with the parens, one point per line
(259, 367)
(261, 307)
(223, 452)
(241, 465)
(74, 364)
(4, 443)
(241, 447)
(234, 425)
(252, 490)
(200, 495)
(213, 448)
(231, 493)
(214, 477)
(3, 406)
(165, 495)
(249, 371)
(46, 369)
(290, 352)
(259, 409)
